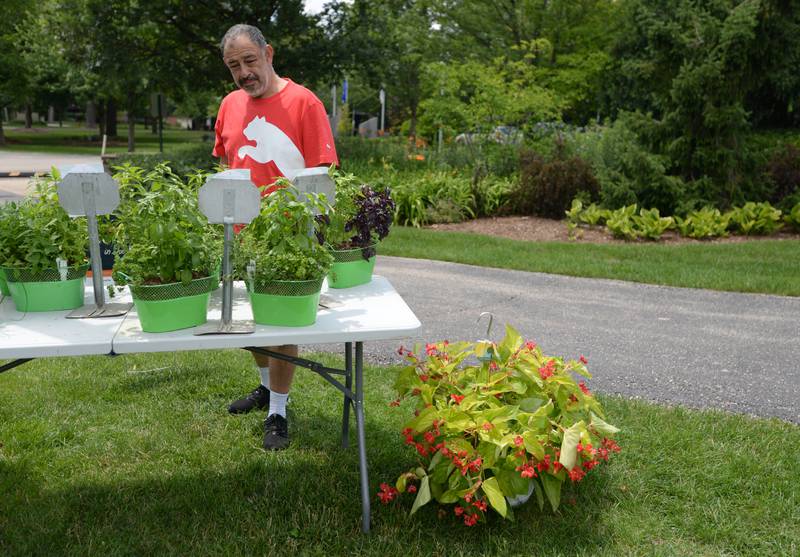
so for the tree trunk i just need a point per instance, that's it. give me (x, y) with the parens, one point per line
(111, 118)
(2, 133)
(131, 123)
(91, 114)
(28, 116)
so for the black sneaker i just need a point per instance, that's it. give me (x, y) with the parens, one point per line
(257, 399)
(276, 433)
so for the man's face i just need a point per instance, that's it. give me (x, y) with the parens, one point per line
(250, 65)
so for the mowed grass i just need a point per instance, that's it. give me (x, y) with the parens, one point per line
(136, 455)
(81, 141)
(763, 266)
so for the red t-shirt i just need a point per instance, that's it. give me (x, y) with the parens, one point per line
(276, 136)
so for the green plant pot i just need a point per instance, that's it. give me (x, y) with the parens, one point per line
(44, 291)
(350, 269)
(170, 307)
(160, 316)
(286, 303)
(3, 284)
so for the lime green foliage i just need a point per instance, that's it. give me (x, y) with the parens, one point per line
(704, 223)
(285, 241)
(620, 223)
(793, 217)
(591, 214)
(756, 218)
(490, 418)
(650, 224)
(160, 235)
(37, 231)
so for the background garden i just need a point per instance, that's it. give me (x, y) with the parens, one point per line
(657, 116)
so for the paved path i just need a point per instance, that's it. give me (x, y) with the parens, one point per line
(12, 161)
(699, 348)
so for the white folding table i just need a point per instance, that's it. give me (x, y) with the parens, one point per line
(373, 311)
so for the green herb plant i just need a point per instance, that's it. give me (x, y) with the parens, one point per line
(37, 231)
(285, 240)
(650, 224)
(160, 234)
(493, 421)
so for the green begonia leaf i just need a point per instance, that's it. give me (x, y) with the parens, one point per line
(552, 488)
(423, 495)
(569, 446)
(495, 495)
(601, 426)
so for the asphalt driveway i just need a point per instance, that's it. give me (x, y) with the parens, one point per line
(699, 348)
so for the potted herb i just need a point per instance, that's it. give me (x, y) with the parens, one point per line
(495, 424)
(282, 256)
(165, 250)
(43, 251)
(361, 218)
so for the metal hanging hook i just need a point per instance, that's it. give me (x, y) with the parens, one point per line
(491, 320)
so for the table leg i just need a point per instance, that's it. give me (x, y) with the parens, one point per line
(362, 444)
(348, 382)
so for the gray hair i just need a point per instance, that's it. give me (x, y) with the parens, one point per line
(253, 33)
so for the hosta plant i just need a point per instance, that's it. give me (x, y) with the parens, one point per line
(493, 421)
(361, 216)
(755, 218)
(703, 223)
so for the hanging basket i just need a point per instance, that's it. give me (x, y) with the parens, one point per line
(46, 290)
(174, 306)
(350, 268)
(285, 303)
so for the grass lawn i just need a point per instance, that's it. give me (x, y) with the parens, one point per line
(137, 455)
(764, 266)
(72, 140)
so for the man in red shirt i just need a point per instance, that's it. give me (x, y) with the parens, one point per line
(274, 127)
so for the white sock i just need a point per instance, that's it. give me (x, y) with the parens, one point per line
(264, 371)
(277, 403)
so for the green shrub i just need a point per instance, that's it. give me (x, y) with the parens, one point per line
(182, 161)
(707, 222)
(547, 186)
(792, 217)
(591, 214)
(626, 171)
(755, 218)
(783, 172)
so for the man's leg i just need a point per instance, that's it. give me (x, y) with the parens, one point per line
(281, 373)
(259, 397)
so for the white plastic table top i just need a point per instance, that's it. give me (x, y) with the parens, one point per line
(373, 311)
(43, 334)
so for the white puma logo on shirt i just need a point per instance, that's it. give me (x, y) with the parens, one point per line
(272, 144)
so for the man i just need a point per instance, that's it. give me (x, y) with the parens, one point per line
(274, 127)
